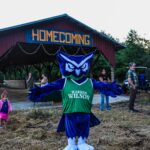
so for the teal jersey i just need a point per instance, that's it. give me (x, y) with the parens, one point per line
(77, 97)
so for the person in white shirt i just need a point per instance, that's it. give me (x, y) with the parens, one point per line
(44, 80)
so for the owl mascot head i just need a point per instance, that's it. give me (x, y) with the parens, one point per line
(74, 66)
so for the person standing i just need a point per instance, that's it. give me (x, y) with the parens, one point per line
(104, 78)
(133, 83)
(44, 80)
(5, 109)
(30, 81)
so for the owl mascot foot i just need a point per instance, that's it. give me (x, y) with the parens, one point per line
(82, 145)
(71, 144)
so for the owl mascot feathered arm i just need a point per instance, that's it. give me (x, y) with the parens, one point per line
(77, 95)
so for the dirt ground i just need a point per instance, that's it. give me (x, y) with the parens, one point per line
(119, 130)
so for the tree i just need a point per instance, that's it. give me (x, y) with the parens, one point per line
(138, 51)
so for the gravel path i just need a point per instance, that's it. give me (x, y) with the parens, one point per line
(30, 105)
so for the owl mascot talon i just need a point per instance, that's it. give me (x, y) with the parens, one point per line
(77, 95)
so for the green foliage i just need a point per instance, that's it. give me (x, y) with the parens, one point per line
(138, 51)
(99, 62)
(1, 76)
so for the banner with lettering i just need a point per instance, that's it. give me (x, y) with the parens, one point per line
(47, 36)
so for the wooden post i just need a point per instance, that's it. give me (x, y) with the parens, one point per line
(112, 74)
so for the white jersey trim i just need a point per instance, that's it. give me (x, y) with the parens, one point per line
(79, 83)
(91, 82)
(64, 83)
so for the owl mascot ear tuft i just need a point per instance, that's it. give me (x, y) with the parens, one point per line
(74, 65)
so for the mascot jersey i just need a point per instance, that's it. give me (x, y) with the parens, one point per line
(77, 95)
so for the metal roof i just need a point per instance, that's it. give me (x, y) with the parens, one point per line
(100, 34)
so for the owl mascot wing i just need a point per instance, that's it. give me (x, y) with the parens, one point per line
(77, 95)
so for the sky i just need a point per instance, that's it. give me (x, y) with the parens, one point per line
(115, 17)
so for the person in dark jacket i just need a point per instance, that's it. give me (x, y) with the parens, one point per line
(133, 84)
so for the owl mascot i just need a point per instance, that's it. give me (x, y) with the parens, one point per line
(77, 95)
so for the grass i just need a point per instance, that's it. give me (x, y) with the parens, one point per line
(119, 130)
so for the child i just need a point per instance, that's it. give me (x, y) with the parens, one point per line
(5, 109)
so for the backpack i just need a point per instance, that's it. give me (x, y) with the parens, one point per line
(4, 108)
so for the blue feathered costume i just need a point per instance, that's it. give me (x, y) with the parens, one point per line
(77, 95)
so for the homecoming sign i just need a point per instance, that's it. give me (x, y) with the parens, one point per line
(47, 36)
